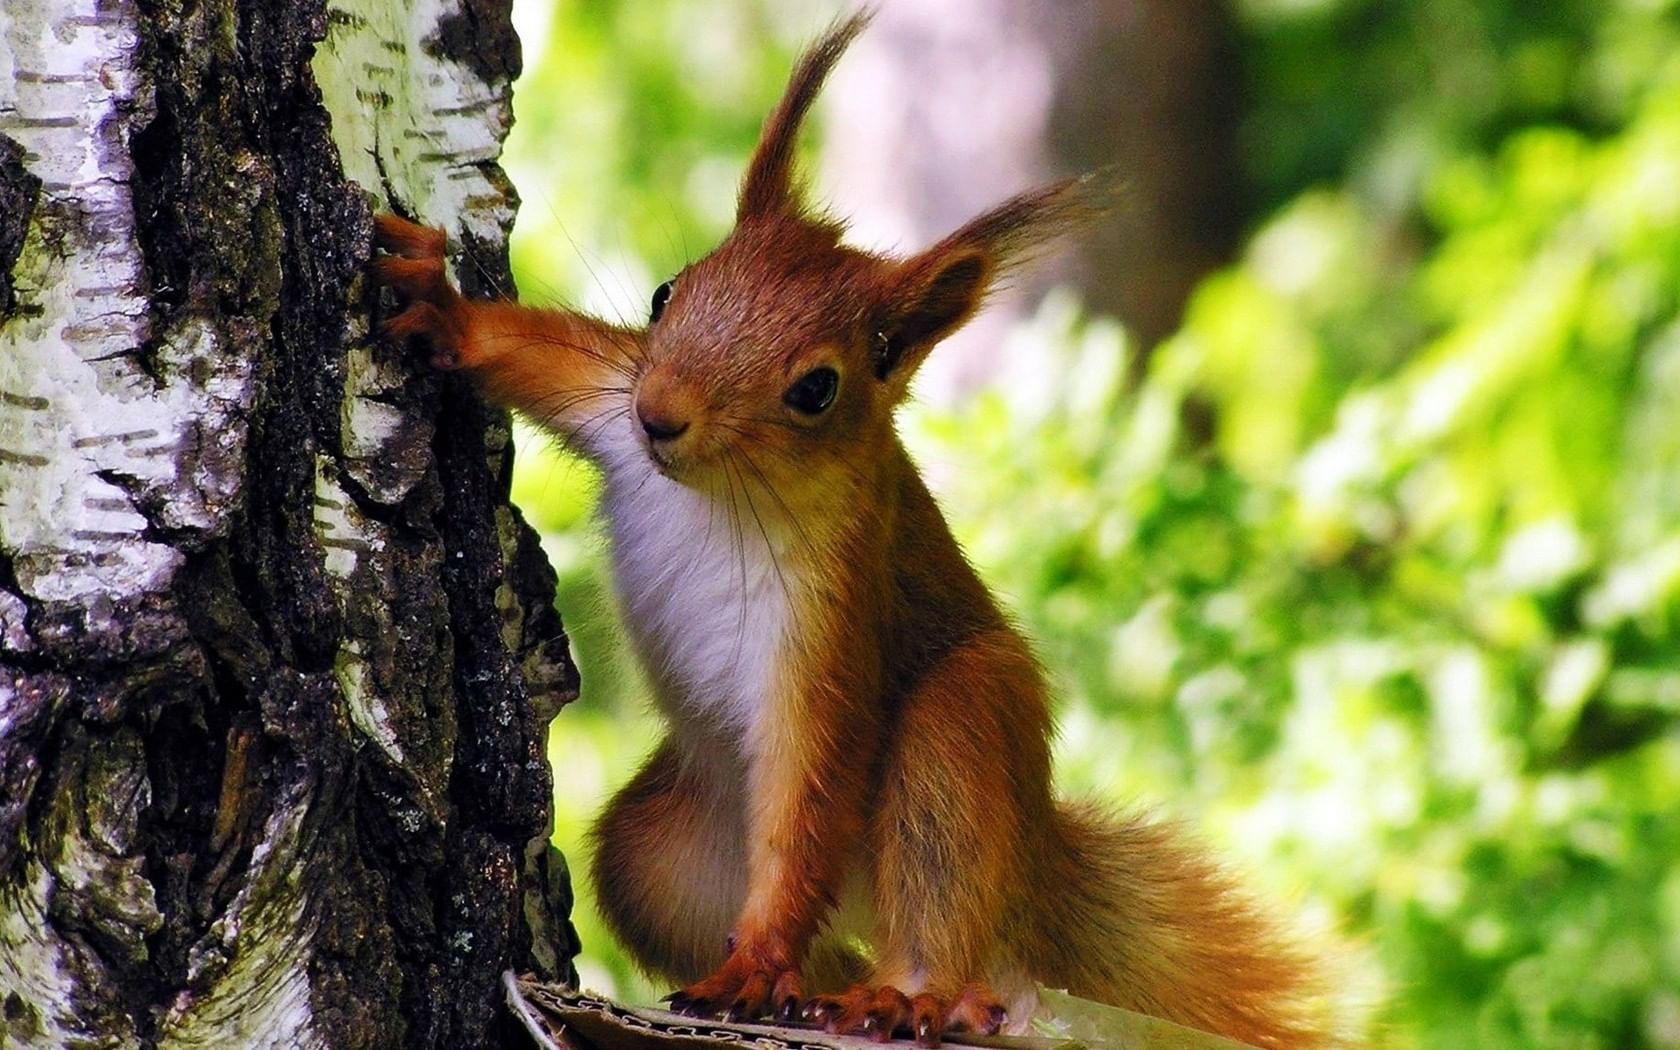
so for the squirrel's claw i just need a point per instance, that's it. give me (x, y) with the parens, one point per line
(431, 326)
(860, 1010)
(788, 1011)
(879, 1013)
(740, 991)
(413, 268)
(408, 239)
(975, 1009)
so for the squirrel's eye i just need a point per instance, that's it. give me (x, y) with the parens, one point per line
(661, 296)
(814, 391)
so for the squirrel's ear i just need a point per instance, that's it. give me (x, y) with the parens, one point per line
(766, 189)
(934, 295)
(936, 292)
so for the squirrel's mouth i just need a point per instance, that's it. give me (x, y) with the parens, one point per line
(683, 456)
(665, 459)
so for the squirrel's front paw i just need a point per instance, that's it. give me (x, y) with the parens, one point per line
(743, 989)
(413, 268)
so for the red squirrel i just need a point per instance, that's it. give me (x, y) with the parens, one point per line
(859, 737)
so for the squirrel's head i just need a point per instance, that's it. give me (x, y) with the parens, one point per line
(781, 356)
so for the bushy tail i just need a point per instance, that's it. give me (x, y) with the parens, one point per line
(1133, 915)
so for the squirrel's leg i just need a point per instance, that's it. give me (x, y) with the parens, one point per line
(563, 370)
(670, 865)
(808, 763)
(966, 768)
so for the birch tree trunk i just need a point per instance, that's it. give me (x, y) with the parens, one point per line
(277, 658)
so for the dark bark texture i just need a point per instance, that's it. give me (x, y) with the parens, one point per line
(277, 666)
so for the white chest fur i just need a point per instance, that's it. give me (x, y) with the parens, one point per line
(705, 594)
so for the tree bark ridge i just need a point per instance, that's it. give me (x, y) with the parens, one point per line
(277, 658)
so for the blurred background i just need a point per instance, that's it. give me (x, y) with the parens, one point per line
(1337, 475)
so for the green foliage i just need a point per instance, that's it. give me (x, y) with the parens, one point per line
(1376, 575)
(633, 125)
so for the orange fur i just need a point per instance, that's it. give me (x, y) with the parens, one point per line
(860, 738)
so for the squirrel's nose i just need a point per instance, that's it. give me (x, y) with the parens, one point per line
(665, 404)
(660, 427)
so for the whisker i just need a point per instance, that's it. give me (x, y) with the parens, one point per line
(775, 562)
(786, 424)
(599, 422)
(740, 543)
(583, 257)
(787, 513)
(551, 414)
(539, 337)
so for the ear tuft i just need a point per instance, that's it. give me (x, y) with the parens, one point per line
(766, 189)
(1014, 230)
(938, 290)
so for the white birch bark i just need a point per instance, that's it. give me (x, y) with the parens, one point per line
(239, 706)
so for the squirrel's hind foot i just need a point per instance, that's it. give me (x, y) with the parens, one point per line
(881, 1013)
